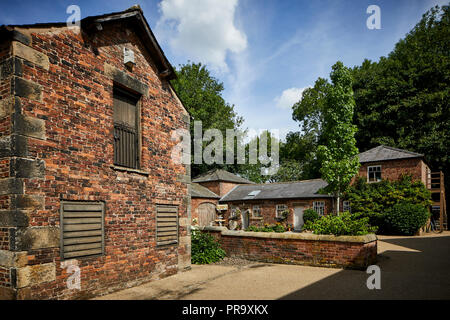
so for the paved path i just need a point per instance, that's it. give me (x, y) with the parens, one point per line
(411, 268)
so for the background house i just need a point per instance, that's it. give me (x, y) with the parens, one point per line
(389, 163)
(87, 178)
(207, 189)
(265, 203)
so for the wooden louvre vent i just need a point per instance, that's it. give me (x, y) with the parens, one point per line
(82, 229)
(166, 224)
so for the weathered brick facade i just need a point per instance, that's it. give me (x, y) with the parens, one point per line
(56, 127)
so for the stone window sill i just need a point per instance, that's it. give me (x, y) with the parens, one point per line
(130, 170)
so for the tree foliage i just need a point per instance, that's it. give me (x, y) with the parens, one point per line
(403, 100)
(201, 94)
(374, 200)
(338, 153)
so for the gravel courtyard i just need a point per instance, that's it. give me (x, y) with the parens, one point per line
(411, 268)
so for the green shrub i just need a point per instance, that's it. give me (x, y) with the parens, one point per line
(406, 218)
(267, 228)
(374, 200)
(310, 215)
(204, 248)
(344, 224)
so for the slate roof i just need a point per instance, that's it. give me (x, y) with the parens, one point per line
(286, 190)
(221, 175)
(199, 191)
(383, 153)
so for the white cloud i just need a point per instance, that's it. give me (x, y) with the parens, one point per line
(203, 30)
(289, 97)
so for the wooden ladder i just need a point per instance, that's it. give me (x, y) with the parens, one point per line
(435, 183)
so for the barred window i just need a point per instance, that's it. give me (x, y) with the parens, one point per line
(319, 207)
(374, 173)
(256, 211)
(280, 208)
(346, 206)
(126, 129)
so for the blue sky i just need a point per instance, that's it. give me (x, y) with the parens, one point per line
(264, 51)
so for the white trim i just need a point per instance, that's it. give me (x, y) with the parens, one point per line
(276, 209)
(375, 166)
(319, 205)
(253, 211)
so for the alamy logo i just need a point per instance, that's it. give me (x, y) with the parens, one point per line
(374, 281)
(74, 280)
(374, 20)
(209, 147)
(73, 21)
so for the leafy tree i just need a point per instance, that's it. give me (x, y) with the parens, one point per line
(298, 157)
(403, 100)
(254, 171)
(309, 110)
(338, 154)
(201, 94)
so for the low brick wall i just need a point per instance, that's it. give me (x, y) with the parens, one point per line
(355, 252)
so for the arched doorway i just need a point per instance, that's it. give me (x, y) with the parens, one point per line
(206, 214)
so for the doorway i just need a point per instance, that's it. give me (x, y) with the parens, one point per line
(298, 218)
(245, 219)
(206, 214)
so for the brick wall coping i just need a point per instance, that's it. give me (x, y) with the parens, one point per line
(291, 235)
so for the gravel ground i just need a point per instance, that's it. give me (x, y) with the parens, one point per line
(236, 262)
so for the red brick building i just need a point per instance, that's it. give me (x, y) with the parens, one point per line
(389, 163)
(260, 204)
(87, 179)
(207, 189)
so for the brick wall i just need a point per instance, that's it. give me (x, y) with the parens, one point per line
(61, 148)
(394, 169)
(356, 252)
(268, 209)
(219, 187)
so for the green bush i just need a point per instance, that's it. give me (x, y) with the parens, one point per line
(406, 218)
(204, 248)
(345, 224)
(310, 215)
(267, 228)
(374, 200)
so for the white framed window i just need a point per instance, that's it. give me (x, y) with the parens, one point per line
(256, 212)
(319, 207)
(346, 206)
(374, 173)
(279, 209)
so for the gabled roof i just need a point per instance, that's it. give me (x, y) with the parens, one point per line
(271, 191)
(221, 175)
(383, 153)
(134, 16)
(199, 191)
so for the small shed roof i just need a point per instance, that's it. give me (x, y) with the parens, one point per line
(199, 191)
(221, 175)
(383, 153)
(285, 190)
